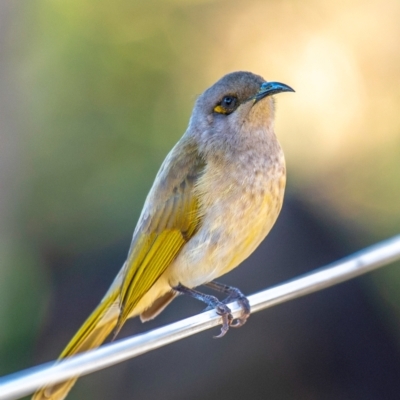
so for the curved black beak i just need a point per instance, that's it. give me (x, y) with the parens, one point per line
(271, 88)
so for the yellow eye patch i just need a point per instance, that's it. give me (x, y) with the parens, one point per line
(220, 110)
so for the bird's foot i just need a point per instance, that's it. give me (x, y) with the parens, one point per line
(213, 303)
(234, 294)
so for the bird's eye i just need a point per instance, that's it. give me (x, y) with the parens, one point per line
(227, 105)
(227, 101)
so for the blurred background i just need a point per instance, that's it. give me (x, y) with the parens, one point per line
(92, 97)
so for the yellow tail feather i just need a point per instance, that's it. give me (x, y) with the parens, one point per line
(92, 334)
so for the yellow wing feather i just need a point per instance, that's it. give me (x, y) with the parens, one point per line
(171, 222)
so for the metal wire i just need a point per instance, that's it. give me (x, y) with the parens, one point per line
(22, 383)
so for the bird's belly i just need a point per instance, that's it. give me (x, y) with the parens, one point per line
(230, 232)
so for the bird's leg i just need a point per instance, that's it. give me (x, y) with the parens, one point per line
(221, 309)
(234, 294)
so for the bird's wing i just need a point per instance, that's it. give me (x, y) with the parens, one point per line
(170, 217)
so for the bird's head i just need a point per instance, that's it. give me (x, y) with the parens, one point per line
(238, 99)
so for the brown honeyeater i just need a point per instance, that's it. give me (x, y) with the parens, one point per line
(215, 198)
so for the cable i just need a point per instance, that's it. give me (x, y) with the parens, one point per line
(22, 383)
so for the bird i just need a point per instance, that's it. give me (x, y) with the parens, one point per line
(214, 199)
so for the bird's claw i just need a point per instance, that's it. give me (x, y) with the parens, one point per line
(245, 306)
(224, 311)
(238, 322)
(227, 319)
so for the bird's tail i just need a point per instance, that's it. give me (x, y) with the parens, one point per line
(91, 335)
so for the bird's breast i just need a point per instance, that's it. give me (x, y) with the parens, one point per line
(239, 203)
(250, 208)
